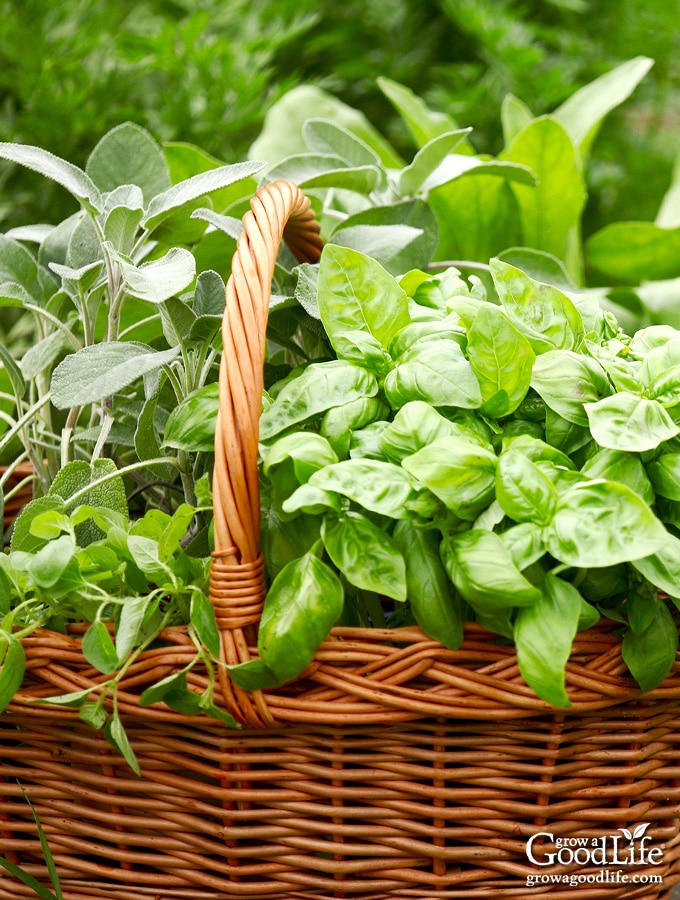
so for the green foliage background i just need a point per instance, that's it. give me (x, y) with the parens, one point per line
(206, 71)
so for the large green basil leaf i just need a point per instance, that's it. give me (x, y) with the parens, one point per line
(319, 387)
(435, 372)
(626, 468)
(626, 421)
(378, 486)
(544, 633)
(482, 569)
(502, 360)
(307, 450)
(600, 523)
(340, 421)
(365, 554)
(459, 472)
(564, 435)
(525, 544)
(567, 380)
(435, 605)
(664, 474)
(417, 425)
(303, 603)
(650, 654)
(191, 425)
(662, 568)
(523, 491)
(544, 315)
(357, 294)
(635, 251)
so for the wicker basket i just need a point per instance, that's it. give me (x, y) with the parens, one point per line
(391, 768)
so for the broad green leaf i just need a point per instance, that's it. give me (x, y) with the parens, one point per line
(567, 381)
(325, 136)
(22, 537)
(74, 479)
(172, 535)
(483, 571)
(478, 218)
(626, 468)
(12, 666)
(428, 158)
(127, 155)
(159, 279)
(400, 237)
(302, 605)
(191, 424)
(281, 134)
(49, 564)
(179, 321)
(185, 192)
(53, 167)
(323, 170)
(662, 568)
(416, 425)
(378, 486)
(544, 315)
(540, 266)
(156, 692)
(98, 648)
(601, 523)
(552, 209)
(459, 472)
(525, 544)
(582, 113)
(319, 387)
(626, 421)
(365, 554)
(664, 474)
(253, 675)
(543, 634)
(121, 228)
(501, 359)
(523, 491)
(423, 123)
(339, 423)
(435, 372)
(357, 294)
(651, 654)
(101, 370)
(209, 295)
(435, 605)
(635, 251)
(82, 278)
(455, 166)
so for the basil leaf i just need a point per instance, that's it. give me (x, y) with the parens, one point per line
(303, 603)
(416, 425)
(626, 468)
(98, 648)
(568, 380)
(435, 605)
(662, 568)
(600, 523)
(650, 654)
(191, 425)
(436, 372)
(482, 569)
(357, 294)
(379, 486)
(318, 388)
(664, 474)
(523, 491)
(525, 544)
(628, 422)
(544, 315)
(502, 360)
(365, 554)
(660, 373)
(544, 633)
(459, 472)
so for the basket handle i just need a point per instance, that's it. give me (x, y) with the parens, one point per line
(279, 211)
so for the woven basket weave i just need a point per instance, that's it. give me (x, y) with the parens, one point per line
(392, 767)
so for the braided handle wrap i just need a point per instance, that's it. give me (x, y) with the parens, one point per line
(279, 211)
